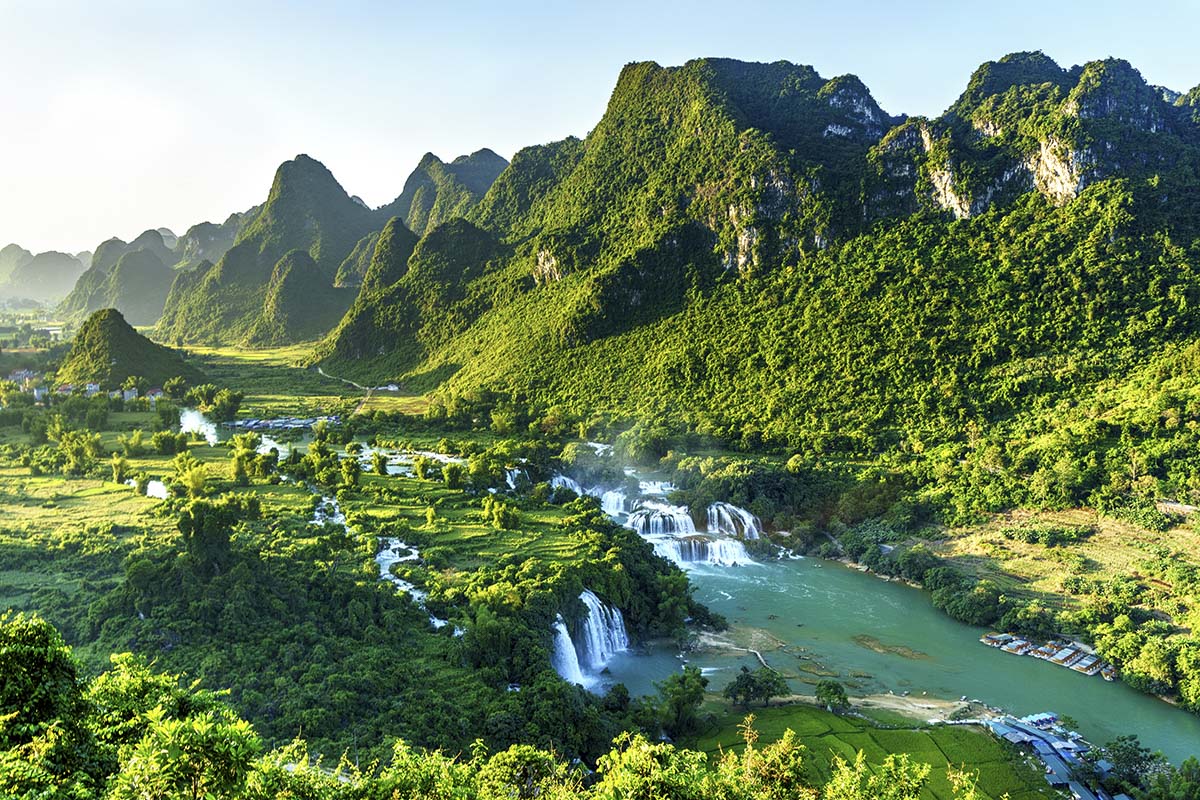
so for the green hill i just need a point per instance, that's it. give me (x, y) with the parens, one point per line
(106, 350)
(436, 192)
(307, 210)
(756, 252)
(289, 313)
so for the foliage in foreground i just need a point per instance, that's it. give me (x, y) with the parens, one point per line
(133, 733)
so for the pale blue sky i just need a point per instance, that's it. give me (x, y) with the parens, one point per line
(119, 116)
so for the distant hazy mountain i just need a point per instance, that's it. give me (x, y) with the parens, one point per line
(169, 238)
(209, 241)
(132, 277)
(12, 257)
(135, 277)
(45, 277)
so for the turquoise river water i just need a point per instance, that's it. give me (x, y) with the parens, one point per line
(880, 636)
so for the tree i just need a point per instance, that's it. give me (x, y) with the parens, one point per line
(762, 684)
(120, 468)
(455, 475)
(1132, 763)
(351, 472)
(832, 695)
(239, 468)
(897, 778)
(742, 688)
(680, 696)
(121, 697)
(769, 684)
(1175, 783)
(133, 445)
(205, 755)
(225, 405)
(195, 480)
(379, 462)
(175, 388)
(39, 682)
(46, 749)
(423, 467)
(639, 768)
(206, 527)
(502, 515)
(79, 450)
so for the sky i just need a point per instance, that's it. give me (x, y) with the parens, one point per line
(118, 116)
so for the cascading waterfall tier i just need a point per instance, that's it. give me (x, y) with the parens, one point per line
(603, 633)
(512, 475)
(673, 533)
(612, 502)
(727, 519)
(565, 660)
(651, 518)
(564, 482)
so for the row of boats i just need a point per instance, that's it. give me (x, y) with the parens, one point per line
(1071, 655)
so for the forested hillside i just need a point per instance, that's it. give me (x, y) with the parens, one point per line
(758, 253)
(107, 351)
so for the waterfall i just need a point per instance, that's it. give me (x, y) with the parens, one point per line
(561, 481)
(719, 552)
(673, 533)
(652, 518)
(603, 632)
(656, 488)
(612, 501)
(192, 421)
(728, 520)
(565, 660)
(512, 475)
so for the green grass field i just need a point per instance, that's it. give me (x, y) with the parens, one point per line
(827, 736)
(276, 383)
(460, 530)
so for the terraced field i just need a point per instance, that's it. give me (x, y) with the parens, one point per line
(828, 736)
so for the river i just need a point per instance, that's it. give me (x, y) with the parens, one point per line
(881, 636)
(812, 618)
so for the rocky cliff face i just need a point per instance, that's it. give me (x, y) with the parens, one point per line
(1025, 124)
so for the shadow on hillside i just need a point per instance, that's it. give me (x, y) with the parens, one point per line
(419, 382)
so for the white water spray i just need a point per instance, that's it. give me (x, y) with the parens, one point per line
(727, 519)
(192, 421)
(565, 660)
(562, 481)
(603, 634)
